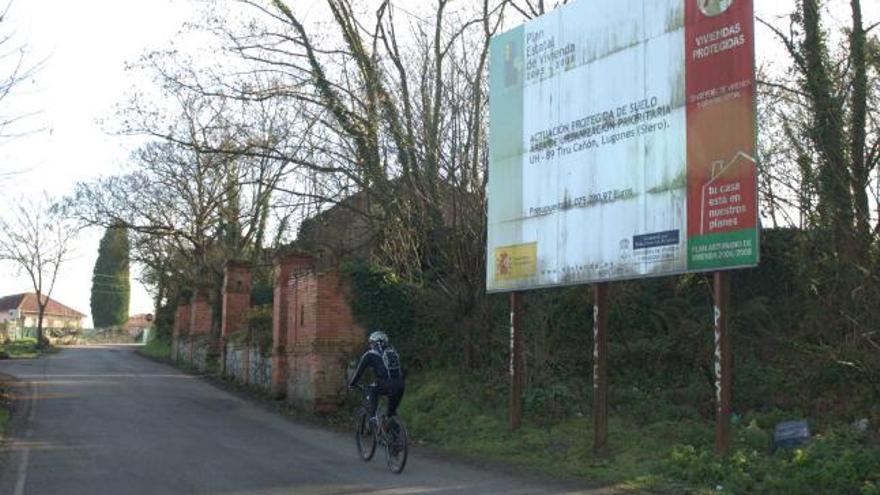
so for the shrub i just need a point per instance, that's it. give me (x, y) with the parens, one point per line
(838, 462)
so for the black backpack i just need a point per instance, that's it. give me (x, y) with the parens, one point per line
(391, 360)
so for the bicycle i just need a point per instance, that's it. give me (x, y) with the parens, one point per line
(389, 432)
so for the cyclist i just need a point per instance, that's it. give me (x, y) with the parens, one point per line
(384, 360)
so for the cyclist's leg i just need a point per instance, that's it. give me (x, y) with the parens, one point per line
(395, 395)
(373, 395)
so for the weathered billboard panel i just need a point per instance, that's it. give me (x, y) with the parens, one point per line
(622, 143)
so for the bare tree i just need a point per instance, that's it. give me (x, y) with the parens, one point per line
(822, 139)
(200, 191)
(37, 241)
(823, 107)
(393, 109)
(15, 68)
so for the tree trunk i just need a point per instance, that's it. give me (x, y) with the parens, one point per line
(827, 134)
(860, 174)
(41, 311)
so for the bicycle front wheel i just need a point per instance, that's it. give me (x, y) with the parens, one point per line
(396, 446)
(365, 436)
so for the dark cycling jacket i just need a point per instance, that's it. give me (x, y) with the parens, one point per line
(373, 359)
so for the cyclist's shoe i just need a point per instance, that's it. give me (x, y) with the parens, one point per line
(393, 449)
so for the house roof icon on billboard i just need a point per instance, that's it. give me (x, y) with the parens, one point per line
(721, 167)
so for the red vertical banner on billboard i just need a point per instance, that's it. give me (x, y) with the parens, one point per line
(721, 157)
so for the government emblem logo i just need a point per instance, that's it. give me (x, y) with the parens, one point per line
(711, 8)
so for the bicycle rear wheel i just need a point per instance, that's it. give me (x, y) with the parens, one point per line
(364, 436)
(396, 446)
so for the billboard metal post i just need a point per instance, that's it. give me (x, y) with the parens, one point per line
(723, 363)
(516, 361)
(600, 366)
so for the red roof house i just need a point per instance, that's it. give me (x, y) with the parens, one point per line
(21, 310)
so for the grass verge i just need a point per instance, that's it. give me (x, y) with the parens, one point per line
(4, 420)
(159, 349)
(5, 405)
(24, 348)
(673, 455)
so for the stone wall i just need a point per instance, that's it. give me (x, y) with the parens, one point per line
(260, 369)
(234, 362)
(180, 353)
(192, 342)
(202, 347)
(314, 334)
(246, 364)
(182, 320)
(236, 302)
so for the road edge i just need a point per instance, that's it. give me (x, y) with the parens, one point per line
(21, 407)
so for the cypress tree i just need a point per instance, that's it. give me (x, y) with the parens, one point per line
(110, 285)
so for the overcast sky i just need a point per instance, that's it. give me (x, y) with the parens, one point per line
(85, 44)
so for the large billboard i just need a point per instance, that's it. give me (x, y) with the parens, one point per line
(622, 143)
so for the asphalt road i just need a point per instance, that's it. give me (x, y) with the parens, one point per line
(103, 420)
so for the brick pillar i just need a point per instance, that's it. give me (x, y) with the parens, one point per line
(337, 338)
(326, 336)
(181, 326)
(236, 301)
(201, 318)
(285, 266)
